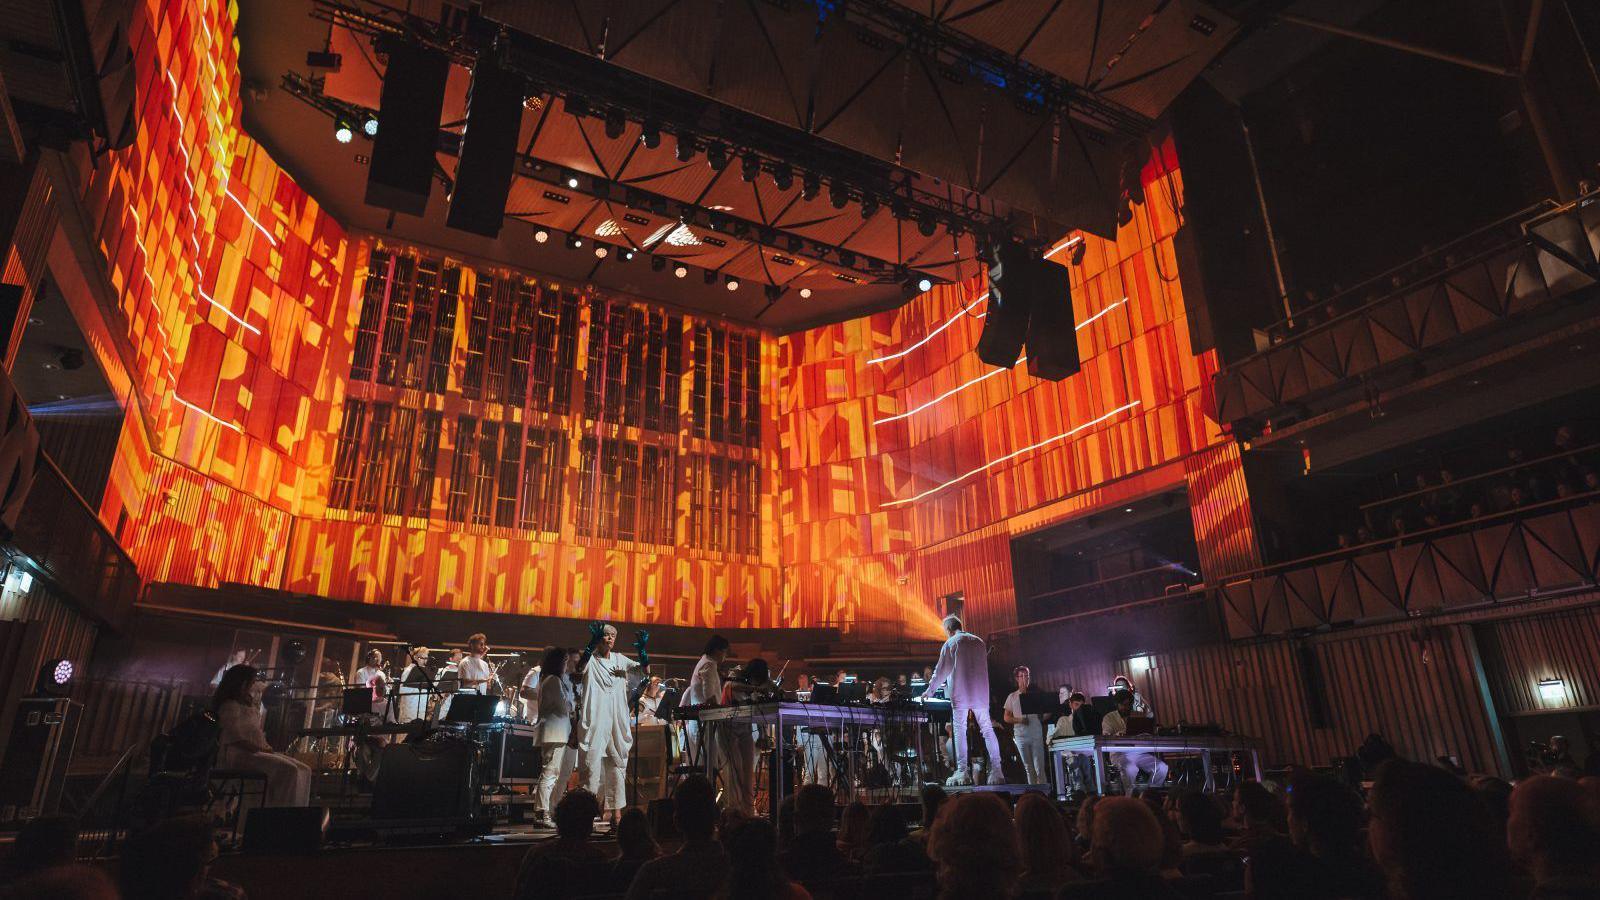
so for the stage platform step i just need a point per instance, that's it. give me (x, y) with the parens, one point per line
(1013, 789)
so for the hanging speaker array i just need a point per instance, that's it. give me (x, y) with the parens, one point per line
(1030, 305)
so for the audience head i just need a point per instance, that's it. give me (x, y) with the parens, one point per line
(45, 842)
(575, 815)
(813, 810)
(886, 826)
(1553, 829)
(975, 848)
(1325, 816)
(717, 647)
(168, 860)
(1200, 818)
(1495, 795)
(753, 872)
(236, 685)
(1432, 837)
(694, 808)
(1042, 836)
(853, 825)
(1126, 839)
(952, 624)
(933, 797)
(634, 837)
(1254, 805)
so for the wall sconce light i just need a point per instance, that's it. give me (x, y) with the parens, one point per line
(1139, 665)
(1552, 690)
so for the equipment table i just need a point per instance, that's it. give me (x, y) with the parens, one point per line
(1094, 746)
(789, 714)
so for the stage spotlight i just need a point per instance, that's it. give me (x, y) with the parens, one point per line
(601, 251)
(847, 259)
(709, 276)
(55, 677)
(750, 167)
(898, 208)
(926, 225)
(650, 135)
(924, 284)
(541, 236)
(954, 229)
(369, 125)
(658, 263)
(733, 283)
(869, 206)
(571, 181)
(685, 151)
(810, 186)
(627, 254)
(577, 106)
(615, 123)
(680, 271)
(838, 194)
(574, 242)
(717, 156)
(783, 176)
(342, 132)
(805, 293)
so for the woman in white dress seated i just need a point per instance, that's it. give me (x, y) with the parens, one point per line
(243, 744)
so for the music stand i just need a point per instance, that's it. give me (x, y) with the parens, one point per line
(853, 692)
(669, 704)
(357, 701)
(824, 693)
(1039, 703)
(472, 709)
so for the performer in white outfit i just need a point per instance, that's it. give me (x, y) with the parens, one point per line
(814, 766)
(447, 682)
(1027, 731)
(705, 686)
(475, 671)
(243, 743)
(1115, 724)
(556, 739)
(650, 701)
(372, 677)
(607, 726)
(964, 663)
(414, 683)
(738, 742)
(236, 658)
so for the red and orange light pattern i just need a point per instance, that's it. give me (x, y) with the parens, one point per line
(894, 476)
(878, 516)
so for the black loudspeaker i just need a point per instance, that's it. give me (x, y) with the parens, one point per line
(488, 149)
(426, 780)
(285, 829)
(1005, 326)
(1315, 687)
(403, 152)
(1052, 333)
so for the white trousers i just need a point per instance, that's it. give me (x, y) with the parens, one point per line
(814, 765)
(288, 779)
(1030, 746)
(985, 728)
(558, 761)
(605, 778)
(1131, 764)
(738, 768)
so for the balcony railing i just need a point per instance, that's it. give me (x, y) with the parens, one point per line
(65, 542)
(1492, 276)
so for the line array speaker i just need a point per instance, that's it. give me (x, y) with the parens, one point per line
(1030, 302)
(488, 149)
(403, 152)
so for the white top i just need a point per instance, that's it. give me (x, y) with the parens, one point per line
(216, 680)
(647, 710)
(605, 722)
(964, 663)
(372, 677)
(474, 668)
(240, 724)
(1026, 726)
(705, 683)
(530, 681)
(1113, 725)
(556, 700)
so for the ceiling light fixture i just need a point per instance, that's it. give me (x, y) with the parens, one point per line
(733, 283)
(810, 186)
(615, 123)
(750, 167)
(680, 271)
(369, 125)
(805, 293)
(540, 236)
(838, 194)
(686, 150)
(601, 251)
(717, 156)
(342, 132)
(650, 135)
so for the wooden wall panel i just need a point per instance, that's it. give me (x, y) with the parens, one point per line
(1518, 653)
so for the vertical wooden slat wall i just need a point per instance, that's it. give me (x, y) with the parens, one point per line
(1519, 653)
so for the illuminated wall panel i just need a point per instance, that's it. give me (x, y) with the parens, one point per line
(906, 461)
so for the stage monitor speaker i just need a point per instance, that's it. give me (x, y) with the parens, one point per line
(1005, 325)
(488, 149)
(426, 780)
(1052, 334)
(403, 152)
(285, 829)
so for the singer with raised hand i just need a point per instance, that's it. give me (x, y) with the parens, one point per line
(605, 723)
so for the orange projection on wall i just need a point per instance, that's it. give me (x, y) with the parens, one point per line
(286, 404)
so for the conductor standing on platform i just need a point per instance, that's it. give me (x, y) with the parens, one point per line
(964, 663)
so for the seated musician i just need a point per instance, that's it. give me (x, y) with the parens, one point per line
(1141, 706)
(1115, 724)
(414, 684)
(1079, 720)
(650, 701)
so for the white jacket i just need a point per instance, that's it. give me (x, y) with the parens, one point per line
(964, 663)
(556, 699)
(705, 683)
